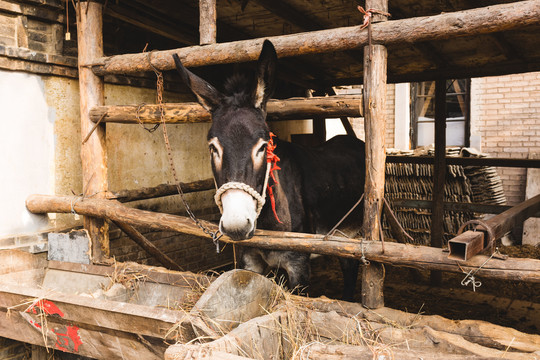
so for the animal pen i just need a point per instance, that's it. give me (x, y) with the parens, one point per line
(132, 330)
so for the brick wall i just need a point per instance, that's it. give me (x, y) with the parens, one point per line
(190, 252)
(506, 118)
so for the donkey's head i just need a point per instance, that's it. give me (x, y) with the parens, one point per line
(238, 141)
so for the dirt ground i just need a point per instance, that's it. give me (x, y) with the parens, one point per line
(506, 303)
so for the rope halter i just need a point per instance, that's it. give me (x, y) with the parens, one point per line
(260, 198)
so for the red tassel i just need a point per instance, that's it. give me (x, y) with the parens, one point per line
(273, 159)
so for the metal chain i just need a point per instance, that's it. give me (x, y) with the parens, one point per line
(150, 130)
(215, 235)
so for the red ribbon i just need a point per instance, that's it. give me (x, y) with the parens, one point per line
(273, 159)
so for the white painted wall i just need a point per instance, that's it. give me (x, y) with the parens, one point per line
(26, 150)
(402, 117)
(476, 137)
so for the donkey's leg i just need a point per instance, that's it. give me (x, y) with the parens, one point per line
(252, 261)
(298, 269)
(349, 267)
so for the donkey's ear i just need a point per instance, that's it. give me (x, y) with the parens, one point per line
(266, 75)
(209, 97)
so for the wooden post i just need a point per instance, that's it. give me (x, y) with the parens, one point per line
(207, 21)
(93, 152)
(375, 64)
(439, 171)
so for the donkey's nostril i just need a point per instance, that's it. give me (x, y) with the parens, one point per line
(237, 231)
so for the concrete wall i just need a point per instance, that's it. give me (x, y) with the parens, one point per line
(27, 148)
(44, 146)
(40, 150)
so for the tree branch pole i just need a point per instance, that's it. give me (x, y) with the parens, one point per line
(375, 67)
(148, 246)
(190, 112)
(472, 22)
(93, 151)
(207, 22)
(419, 257)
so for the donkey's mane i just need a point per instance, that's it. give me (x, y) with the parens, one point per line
(238, 90)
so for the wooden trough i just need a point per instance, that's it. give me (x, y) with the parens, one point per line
(103, 312)
(130, 311)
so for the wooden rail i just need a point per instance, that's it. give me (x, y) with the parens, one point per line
(455, 206)
(472, 22)
(419, 257)
(190, 112)
(466, 161)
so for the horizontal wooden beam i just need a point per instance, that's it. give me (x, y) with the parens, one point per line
(455, 206)
(467, 161)
(160, 191)
(294, 108)
(503, 17)
(420, 257)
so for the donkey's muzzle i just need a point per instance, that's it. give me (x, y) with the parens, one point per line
(239, 214)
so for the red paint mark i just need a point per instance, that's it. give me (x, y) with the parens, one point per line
(67, 337)
(47, 307)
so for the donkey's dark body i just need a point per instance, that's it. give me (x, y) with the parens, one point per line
(315, 186)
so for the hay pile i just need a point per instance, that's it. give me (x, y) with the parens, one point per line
(286, 326)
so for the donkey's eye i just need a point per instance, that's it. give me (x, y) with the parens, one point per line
(262, 149)
(212, 149)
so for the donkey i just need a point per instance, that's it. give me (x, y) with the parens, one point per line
(273, 184)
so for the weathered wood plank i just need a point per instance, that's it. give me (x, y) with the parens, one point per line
(130, 318)
(420, 257)
(96, 344)
(294, 108)
(472, 22)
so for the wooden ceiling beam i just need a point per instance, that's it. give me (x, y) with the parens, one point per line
(496, 18)
(427, 50)
(508, 49)
(144, 15)
(149, 23)
(510, 67)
